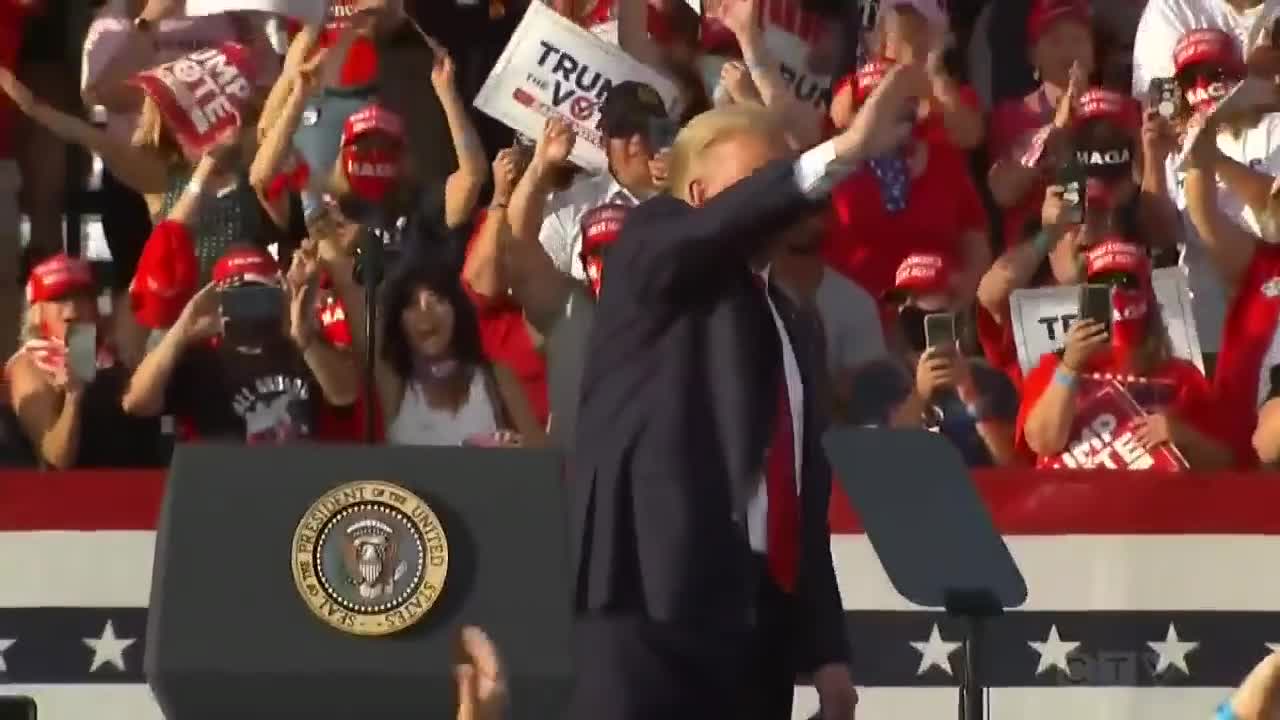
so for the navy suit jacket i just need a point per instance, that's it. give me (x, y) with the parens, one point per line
(679, 396)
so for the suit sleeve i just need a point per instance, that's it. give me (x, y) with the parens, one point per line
(672, 246)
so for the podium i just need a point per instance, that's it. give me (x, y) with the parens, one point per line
(932, 533)
(329, 582)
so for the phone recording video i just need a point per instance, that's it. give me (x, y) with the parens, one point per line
(1095, 304)
(1165, 97)
(940, 331)
(82, 351)
(252, 303)
(1071, 178)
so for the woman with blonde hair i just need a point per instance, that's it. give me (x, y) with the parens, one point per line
(67, 402)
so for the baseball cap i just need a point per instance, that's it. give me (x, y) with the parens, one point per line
(1208, 46)
(248, 265)
(1116, 108)
(920, 274)
(1045, 14)
(57, 277)
(372, 118)
(931, 10)
(628, 108)
(1116, 256)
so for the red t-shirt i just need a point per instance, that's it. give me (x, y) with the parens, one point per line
(1012, 121)
(867, 243)
(1248, 339)
(506, 341)
(1177, 388)
(12, 16)
(996, 338)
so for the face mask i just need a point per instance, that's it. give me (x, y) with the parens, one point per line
(372, 173)
(911, 323)
(1107, 162)
(1129, 312)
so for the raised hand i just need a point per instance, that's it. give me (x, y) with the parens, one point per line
(735, 78)
(1077, 83)
(482, 684)
(556, 143)
(302, 280)
(201, 319)
(1084, 340)
(880, 125)
(737, 15)
(442, 68)
(506, 173)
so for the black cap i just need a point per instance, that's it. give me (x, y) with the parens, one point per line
(628, 108)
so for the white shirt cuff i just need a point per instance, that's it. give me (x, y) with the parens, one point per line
(818, 170)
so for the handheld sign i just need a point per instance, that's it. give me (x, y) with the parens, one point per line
(309, 12)
(202, 95)
(553, 68)
(1102, 437)
(1042, 316)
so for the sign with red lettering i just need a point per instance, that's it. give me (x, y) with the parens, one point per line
(554, 68)
(1102, 437)
(202, 95)
(308, 12)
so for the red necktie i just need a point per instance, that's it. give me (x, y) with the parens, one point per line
(783, 515)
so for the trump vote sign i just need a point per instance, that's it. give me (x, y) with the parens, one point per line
(309, 12)
(1042, 316)
(553, 68)
(1102, 437)
(202, 95)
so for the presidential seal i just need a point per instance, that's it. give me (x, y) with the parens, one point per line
(370, 558)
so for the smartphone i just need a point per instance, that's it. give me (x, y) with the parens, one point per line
(661, 134)
(252, 303)
(1275, 33)
(1071, 178)
(1095, 304)
(82, 351)
(1165, 97)
(17, 707)
(1275, 382)
(940, 331)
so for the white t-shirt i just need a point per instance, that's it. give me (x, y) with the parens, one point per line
(561, 231)
(1164, 22)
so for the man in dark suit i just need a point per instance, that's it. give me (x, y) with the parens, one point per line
(704, 581)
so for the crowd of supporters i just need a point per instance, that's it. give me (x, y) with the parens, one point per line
(1053, 144)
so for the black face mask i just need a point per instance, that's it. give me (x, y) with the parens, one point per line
(911, 323)
(1109, 162)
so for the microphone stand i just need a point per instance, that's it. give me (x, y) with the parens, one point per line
(370, 270)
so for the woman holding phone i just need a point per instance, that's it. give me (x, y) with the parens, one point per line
(1132, 350)
(65, 386)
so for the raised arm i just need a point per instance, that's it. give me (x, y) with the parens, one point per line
(462, 189)
(115, 50)
(1230, 246)
(675, 249)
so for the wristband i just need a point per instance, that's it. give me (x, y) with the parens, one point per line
(1225, 712)
(194, 187)
(1064, 377)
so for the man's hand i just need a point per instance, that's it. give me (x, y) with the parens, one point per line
(556, 143)
(882, 124)
(837, 698)
(736, 79)
(201, 319)
(737, 15)
(936, 370)
(482, 684)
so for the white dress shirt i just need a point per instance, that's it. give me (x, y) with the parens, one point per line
(561, 232)
(758, 506)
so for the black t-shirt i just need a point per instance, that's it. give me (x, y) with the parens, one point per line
(882, 385)
(264, 397)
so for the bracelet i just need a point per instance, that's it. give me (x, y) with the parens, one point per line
(1064, 377)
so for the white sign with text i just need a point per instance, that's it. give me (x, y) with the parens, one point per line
(309, 12)
(554, 68)
(1042, 316)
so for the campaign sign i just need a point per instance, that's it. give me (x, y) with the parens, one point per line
(554, 68)
(790, 34)
(309, 12)
(1102, 437)
(1042, 316)
(202, 95)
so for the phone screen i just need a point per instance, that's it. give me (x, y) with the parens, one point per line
(252, 303)
(1095, 304)
(1164, 97)
(1071, 178)
(940, 331)
(82, 351)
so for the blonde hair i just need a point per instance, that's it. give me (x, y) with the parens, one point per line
(151, 133)
(709, 129)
